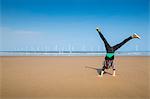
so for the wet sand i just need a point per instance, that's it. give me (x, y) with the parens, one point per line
(73, 77)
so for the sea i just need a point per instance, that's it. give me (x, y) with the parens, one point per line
(71, 53)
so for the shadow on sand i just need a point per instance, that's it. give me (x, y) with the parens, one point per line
(99, 70)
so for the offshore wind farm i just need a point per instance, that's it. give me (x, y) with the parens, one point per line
(68, 51)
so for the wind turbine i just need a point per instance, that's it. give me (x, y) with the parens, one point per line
(136, 48)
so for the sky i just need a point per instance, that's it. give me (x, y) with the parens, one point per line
(52, 25)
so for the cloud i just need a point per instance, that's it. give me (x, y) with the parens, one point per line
(10, 35)
(26, 32)
(13, 38)
(7, 30)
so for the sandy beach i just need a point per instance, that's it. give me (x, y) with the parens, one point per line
(73, 77)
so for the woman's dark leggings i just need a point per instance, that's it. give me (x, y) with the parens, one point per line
(112, 49)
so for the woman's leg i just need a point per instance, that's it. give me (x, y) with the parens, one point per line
(117, 46)
(107, 46)
(124, 41)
